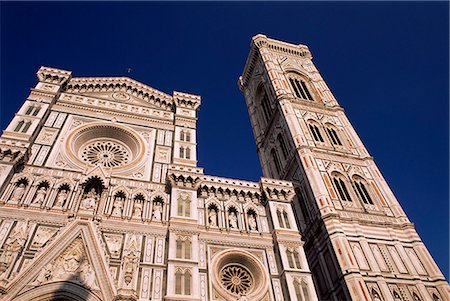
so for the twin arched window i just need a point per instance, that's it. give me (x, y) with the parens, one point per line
(315, 132)
(182, 282)
(359, 185)
(22, 126)
(185, 135)
(341, 187)
(333, 135)
(283, 219)
(300, 88)
(293, 258)
(301, 291)
(33, 110)
(185, 152)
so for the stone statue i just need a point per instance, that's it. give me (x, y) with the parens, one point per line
(130, 262)
(212, 217)
(13, 246)
(40, 195)
(137, 212)
(43, 234)
(157, 211)
(61, 198)
(118, 206)
(90, 200)
(18, 193)
(233, 220)
(252, 222)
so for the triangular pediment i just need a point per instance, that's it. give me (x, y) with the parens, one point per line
(119, 89)
(74, 258)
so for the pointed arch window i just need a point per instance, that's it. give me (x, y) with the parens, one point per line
(181, 135)
(283, 146)
(283, 219)
(267, 109)
(300, 88)
(276, 160)
(183, 282)
(332, 133)
(188, 153)
(315, 132)
(293, 259)
(188, 136)
(301, 290)
(19, 126)
(184, 206)
(340, 186)
(359, 186)
(183, 248)
(181, 152)
(26, 126)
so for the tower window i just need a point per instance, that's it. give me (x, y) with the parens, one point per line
(276, 160)
(19, 126)
(181, 135)
(188, 136)
(22, 126)
(188, 153)
(184, 206)
(283, 146)
(182, 282)
(283, 219)
(315, 132)
(267, 109)
(300, 89)
(334, 136)
(342, 189)
(362, 192)
(181, 152)
(293, 259)
(33, 110)
(184, 246)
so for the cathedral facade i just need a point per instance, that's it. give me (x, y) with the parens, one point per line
(101, 197)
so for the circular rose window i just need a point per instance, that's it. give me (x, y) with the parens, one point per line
(236, 273)
(108, 153)
(236, 279)
(108, 145)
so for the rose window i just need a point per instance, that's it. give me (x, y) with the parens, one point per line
(107, 153)
(108, 145)
(236, 279)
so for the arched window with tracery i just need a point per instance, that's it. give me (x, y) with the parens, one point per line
(182, 282)
(293, 258)
(315, 131)
(181, 152)
(184, 206)
(188, 153)
(332, 133)
(283, 218)
(181, 135)
(301, 290)
(360, 187)
(264, 102)
(300, 88)
(341, 187)
(283, 146)
(183, 248)
(276, 160)
(188, 136)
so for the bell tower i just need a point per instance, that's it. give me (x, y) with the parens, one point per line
(359, 243)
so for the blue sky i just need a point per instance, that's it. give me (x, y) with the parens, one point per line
(386, 63)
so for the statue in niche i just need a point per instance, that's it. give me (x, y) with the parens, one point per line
(252, 222)
(40, 195)
(90, 200)
(118, 206)
(212, 217)
(61, 198)
(157, 211)
(233, 220)
(18, 192)
(137, 211)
